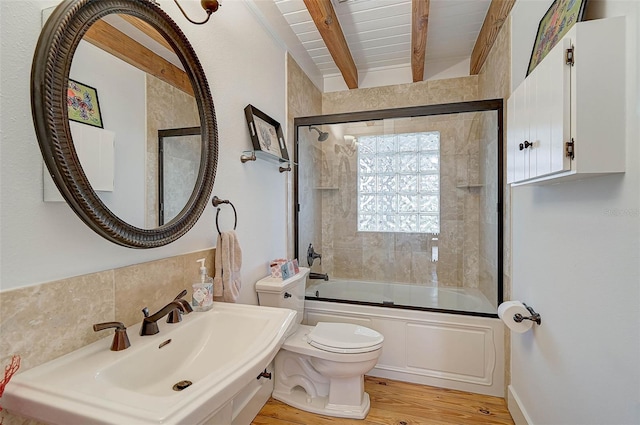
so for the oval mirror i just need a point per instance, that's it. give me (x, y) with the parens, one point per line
(124, 119)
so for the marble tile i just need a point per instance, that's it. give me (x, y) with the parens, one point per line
(402, 264)
(347, 263)
(40, 323)
(378, 265)
(423, 270)
(150, 285)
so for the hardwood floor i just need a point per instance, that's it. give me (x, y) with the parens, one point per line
(401, 403)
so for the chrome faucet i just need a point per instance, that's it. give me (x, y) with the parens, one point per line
(149, 323)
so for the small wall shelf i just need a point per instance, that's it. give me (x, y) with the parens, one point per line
(285, 165)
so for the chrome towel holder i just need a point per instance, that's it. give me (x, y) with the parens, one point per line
(216, 203)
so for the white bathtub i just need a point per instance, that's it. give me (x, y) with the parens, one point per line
(445, 350)
(469, 300)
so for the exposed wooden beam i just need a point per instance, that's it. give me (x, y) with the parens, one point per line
(146, 29)
(123, 47)
(419, 23)
(324, 16)
(496, 16)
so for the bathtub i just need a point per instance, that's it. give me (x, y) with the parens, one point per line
(456, 351)
(453, 300)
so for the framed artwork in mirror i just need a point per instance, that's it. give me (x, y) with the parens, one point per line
(559, 18)
(266, 133)
(83, 104)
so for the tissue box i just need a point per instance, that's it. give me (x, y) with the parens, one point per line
(283, 269)
(274, 266)
(287, 270)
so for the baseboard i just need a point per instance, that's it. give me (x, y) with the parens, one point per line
(516, 409)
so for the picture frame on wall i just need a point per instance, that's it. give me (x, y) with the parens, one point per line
(559, 18)
(83, 105)
(266, 134)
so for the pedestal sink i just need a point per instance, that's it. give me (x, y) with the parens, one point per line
(188, 373)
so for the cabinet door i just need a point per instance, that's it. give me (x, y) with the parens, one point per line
(520, 134)
(549, 94)
(511, 131)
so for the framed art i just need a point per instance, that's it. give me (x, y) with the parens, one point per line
(83, 105)
(266, 134)
(559, 18)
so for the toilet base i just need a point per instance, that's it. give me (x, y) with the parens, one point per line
(298, 398)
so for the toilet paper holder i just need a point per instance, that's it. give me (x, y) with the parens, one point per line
(535, 317)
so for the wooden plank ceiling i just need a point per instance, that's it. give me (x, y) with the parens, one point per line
(352, 36)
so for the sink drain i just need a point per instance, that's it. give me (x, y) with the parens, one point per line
(182, 385)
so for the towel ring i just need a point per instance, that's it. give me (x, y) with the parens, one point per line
(216, 202)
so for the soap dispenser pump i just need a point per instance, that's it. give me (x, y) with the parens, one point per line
(202, 297)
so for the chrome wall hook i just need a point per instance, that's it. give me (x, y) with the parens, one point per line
(535, 317)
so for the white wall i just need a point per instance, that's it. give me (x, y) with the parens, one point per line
(42, 242)
(115, 81)
(576, 259)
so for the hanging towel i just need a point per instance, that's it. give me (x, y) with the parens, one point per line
(228, 259)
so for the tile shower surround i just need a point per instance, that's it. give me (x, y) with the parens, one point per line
(404, 257)
(43, 322)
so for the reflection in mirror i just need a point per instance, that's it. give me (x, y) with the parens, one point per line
(178, 161)
(88, 22)
(142, 89)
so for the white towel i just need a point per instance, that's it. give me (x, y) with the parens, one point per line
(228, 261)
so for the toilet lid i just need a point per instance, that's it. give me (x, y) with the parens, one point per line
(344, 338)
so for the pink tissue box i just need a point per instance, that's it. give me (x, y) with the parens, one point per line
(274, 266)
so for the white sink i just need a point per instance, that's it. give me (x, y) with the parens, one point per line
(220, 351)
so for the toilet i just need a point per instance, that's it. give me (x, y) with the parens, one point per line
(320, 368)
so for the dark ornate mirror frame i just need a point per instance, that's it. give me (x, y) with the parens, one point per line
(49, 75)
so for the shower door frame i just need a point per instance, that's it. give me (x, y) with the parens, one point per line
(409, 112)
(162, 134)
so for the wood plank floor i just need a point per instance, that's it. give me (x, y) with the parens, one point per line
(401, 403)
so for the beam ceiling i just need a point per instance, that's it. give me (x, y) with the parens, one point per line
(419, 23)
(325, 19)
(496, 17)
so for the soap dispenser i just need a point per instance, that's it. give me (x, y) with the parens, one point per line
(202, 297)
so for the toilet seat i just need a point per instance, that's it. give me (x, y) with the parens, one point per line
(345, 338)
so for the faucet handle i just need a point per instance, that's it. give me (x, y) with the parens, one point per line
(120, 339)
(175, 315)
(180, 295)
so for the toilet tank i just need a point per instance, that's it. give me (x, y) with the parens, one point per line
(289, 293)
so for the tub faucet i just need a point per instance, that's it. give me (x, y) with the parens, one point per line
(149, 323)
(314, 275)
(312, 255)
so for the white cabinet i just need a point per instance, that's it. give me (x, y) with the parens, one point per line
(567, 118)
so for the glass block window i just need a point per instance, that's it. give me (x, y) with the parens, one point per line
(399, 183)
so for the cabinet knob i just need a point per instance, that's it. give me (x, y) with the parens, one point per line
(526, 144)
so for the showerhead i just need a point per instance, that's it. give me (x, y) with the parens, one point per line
(322, 136)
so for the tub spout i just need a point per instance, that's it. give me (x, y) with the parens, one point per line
(314, 275)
